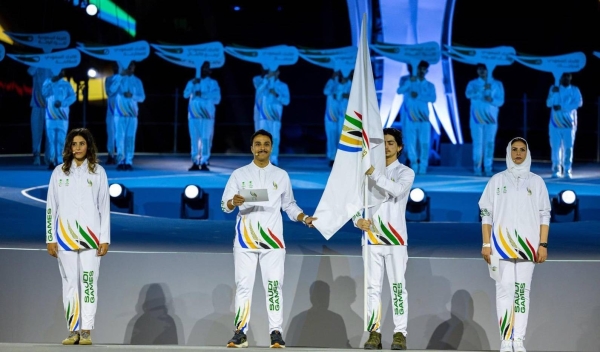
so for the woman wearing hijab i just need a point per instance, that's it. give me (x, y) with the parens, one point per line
(78, 230)
(515, 213)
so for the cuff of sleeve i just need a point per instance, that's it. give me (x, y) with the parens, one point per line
(487, 220)
(545, 221)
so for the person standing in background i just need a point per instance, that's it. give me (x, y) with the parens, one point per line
(563, 101)
(38, 112)
(203, 94)
(110, 117)
(487, 96)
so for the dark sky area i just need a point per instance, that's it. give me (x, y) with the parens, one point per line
(533, 27)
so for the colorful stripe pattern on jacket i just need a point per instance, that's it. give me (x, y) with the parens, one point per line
(507, 248)
(70, 239)
(414, 113)
(561, 119)
(197, 111)
(241, 317)
(269, 112)
(72, 313)
(507, 323)
(248, 238)
(125, 107)
(482, 117)
(389, 235)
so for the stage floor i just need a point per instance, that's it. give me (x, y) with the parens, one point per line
(454, 191)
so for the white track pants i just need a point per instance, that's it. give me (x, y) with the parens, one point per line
(417, 137)
(79, 271)
(393, 259)
(562, 141)
(271, 265)
(201, 136)
(512, 298)
(126, 130)
(111, 131)
(38, 122)
(484, 138)
(56, 134)
(274, 128)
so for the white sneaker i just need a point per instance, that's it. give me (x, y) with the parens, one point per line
(506, 346)
(518, 345)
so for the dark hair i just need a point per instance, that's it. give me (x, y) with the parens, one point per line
(480, 65)
(261, 132)
(397, 134)
(424, 64)
(90, 154)
(519, 139)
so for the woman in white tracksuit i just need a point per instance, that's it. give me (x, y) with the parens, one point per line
(515, 213)
(385, 243)
(78, 230)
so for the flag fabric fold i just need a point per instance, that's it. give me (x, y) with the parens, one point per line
(349, 190)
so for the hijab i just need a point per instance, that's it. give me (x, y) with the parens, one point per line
(521, 170)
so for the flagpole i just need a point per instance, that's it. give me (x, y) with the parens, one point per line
(366, 250)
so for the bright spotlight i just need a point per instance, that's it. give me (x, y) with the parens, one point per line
(91, 10)
(417, 195)
(194, 203)
(565, 207)
(236, 8)
(92, 73)
(417, 207)
(121, 198)
(191, 191)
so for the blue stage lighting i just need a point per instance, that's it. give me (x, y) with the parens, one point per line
(194, 203)
(417, 207)
(121, 198)
(236, 8)
(565, 207)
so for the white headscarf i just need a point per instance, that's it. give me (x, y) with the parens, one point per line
(521, 170)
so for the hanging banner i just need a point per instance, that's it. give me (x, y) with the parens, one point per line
(55, 61)
(122, 54)
(490, 57)
(340, 59)
(192, 56)
(2, 51)
(270, 58)
(557, 65)
(410, 54)
(45, 41)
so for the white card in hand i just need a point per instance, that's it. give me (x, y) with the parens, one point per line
(494, 267)
(254, 195)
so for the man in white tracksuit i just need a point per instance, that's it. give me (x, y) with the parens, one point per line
(257, 81)
(515, 218)
(129, 92)
(487, 96)
(203, 94)
(111, 129)
(414, 113)
(38, 111)
(78, 231)
(564, 101)
(59, 96)
(273, 95)
(259, 236)
(332, 118)
(385, 243)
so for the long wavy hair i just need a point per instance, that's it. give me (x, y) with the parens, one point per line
(90, 154)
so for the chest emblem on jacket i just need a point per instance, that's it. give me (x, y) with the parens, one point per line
(60, 182)
(503, 189)
(275, 185)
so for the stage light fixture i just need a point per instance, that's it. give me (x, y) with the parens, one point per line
(565, 207)
(92, 73)
(194, 203)
(91, 10)
(121, 198)
(236, 8)
(417, 207)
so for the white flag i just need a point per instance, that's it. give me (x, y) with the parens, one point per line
(361, 145)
